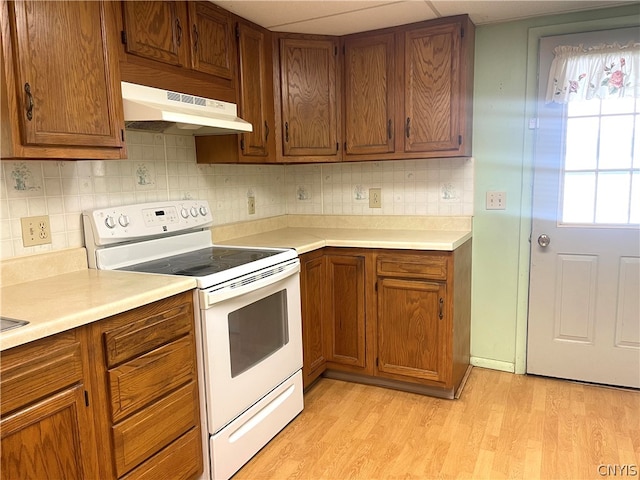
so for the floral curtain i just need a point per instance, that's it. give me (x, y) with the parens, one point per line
(604, 71)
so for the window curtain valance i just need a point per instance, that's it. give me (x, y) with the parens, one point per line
(604, 71)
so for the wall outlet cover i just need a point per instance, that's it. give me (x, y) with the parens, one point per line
(496, 200)
(35, 230)
(375, 198)
(251, 205)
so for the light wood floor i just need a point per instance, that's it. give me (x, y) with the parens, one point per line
(503, 426)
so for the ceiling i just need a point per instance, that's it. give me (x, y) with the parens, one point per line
(337, 17)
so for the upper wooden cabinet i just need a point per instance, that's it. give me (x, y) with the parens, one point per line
(255, 104)
(255, 93)
(369, 95)
(178, 45)
(157, 30)
(212, 47)
(408, 91)
(309, 97)
(60, 84)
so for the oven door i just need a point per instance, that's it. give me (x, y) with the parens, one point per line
(252, 335)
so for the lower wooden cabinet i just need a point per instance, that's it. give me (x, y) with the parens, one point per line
(145, 372)
(314, 307)
(397, 318)
(47, 420)
(345, 319)
(114, 399)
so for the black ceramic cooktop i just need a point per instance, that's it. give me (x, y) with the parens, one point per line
(203, 262)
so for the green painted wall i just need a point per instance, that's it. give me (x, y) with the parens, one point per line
(504, 100)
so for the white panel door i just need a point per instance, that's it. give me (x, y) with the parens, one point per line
(584, 307)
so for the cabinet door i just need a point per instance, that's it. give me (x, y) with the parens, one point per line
(412, 329)
(212, 46)
(62, 76)
(48, 439)
(46, 421)
(346, 310)
(312, 290)
(432, 88)
(157, 30)
(308, 75)
(256, 93)
(369, 92)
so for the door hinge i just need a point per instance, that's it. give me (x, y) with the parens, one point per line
(376, 361)
(123, 37)
(337, 146)
(237, 30)
(86, 398)
(459, 139)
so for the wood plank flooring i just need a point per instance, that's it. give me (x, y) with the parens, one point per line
(503, 426)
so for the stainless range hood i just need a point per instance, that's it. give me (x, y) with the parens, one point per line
(153, 109)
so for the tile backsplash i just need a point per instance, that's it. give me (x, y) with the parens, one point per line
(162, 167)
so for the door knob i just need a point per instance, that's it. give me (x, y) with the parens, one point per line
(544, 240)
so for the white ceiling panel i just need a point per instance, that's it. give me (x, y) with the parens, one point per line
(336, 17)
(484, 12)
(362, 19)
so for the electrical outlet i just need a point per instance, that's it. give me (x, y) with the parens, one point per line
(251, 205)
(496, 200)
(35, 230)
(375, 198)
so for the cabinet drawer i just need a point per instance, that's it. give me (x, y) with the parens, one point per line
(413, 266)
(144, 379)
(31, 372)
(150, 430)
(180, 460)
(148, 327)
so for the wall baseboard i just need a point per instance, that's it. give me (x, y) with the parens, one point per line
(493, 364)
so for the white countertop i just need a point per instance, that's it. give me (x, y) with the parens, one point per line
(61, 302)
(307, 239)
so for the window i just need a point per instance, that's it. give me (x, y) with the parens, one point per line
(601, 174)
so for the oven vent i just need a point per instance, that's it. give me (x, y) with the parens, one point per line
(258, 276)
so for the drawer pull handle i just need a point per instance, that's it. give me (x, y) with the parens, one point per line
(27, 89)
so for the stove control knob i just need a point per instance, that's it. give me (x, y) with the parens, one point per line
(184, 212)
(110, 222)
(203, 211)
(194, 212)
(124, 220)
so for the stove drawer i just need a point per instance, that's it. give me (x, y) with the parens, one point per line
(151, 326)
(145, 379)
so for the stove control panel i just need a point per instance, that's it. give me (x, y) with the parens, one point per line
(109, 225)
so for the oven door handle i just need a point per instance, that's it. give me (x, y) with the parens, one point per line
(249, 283)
